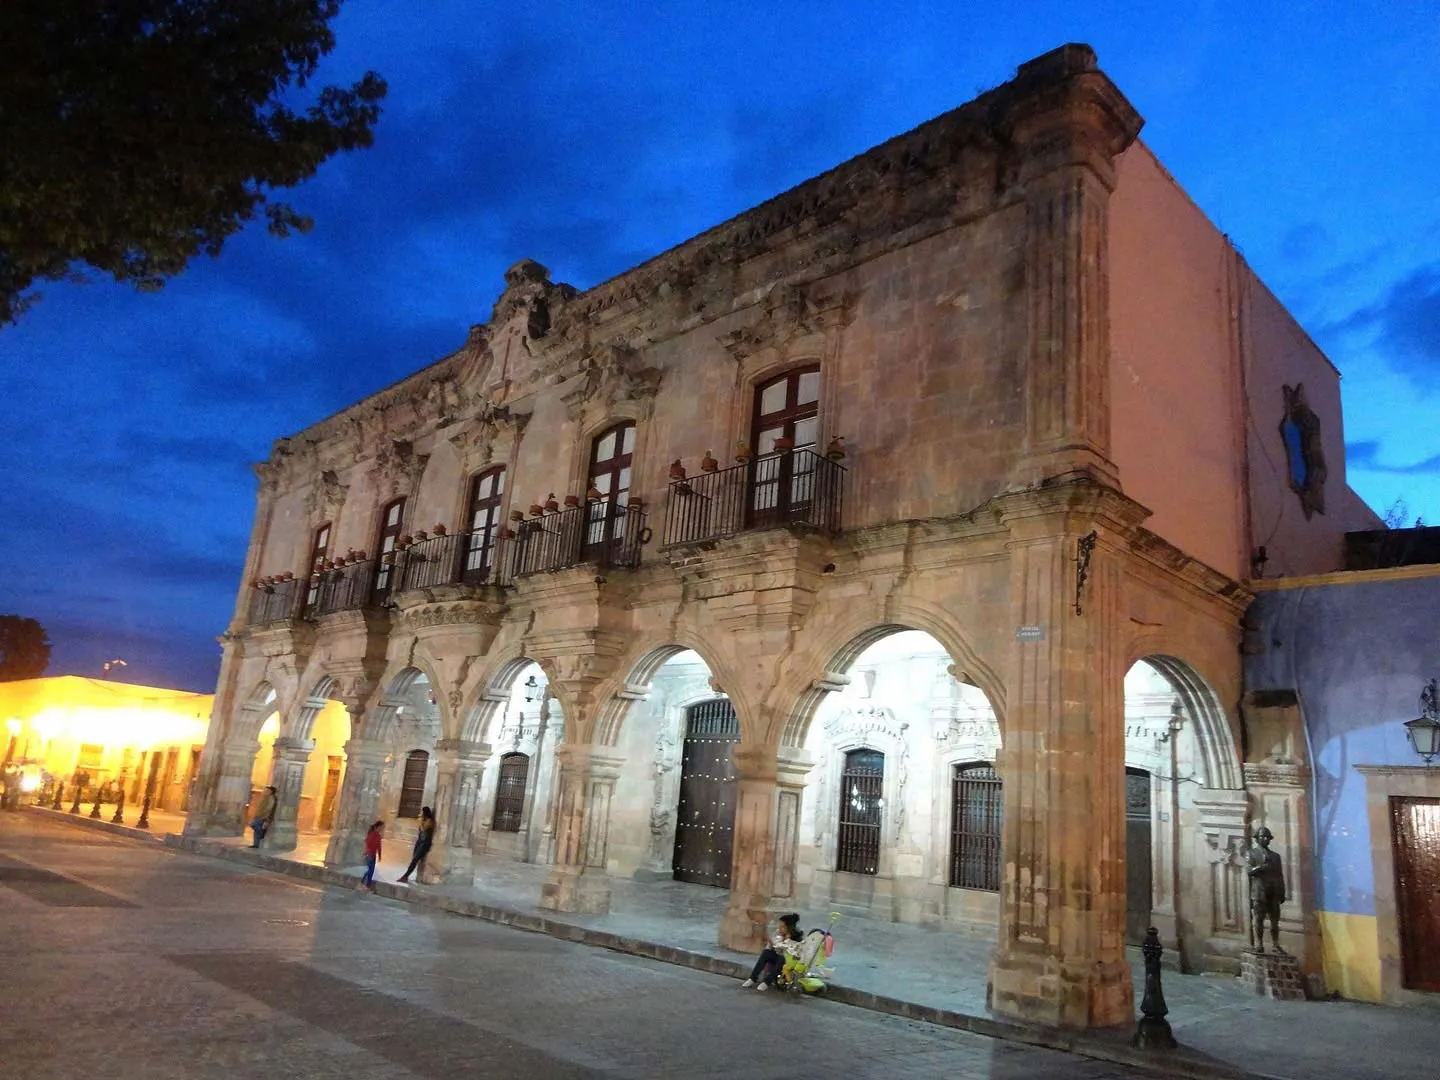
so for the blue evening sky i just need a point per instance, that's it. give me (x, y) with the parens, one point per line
(592, 136)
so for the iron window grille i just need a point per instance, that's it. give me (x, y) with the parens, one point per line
(510, 792)
(412, 788)
(862, 809)
(976, 816)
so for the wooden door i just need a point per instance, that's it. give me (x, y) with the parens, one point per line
(705, 818)
(1138, 885)
(1417, 889)
(326, 820)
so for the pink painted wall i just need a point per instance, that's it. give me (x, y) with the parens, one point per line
(1200, 351)
(1174, 382)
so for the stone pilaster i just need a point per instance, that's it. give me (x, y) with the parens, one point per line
(1060, 959)
(459, 766)
(1066, 126)
(752, 868)
(287, 774)
(359, 802)
(587, 778)
(222, 791)
(793, 767)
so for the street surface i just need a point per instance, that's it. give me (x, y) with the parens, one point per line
(120, 960)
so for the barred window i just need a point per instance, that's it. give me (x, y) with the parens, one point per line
(862, 807)
(510, 792)
(412, 788)
(976, 813)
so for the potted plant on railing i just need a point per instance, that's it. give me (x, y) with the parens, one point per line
(677, 470)
(742, 452)
(517, 515)
(708, 463)
(439, 529)
(421, 536)
(572, 501)
(551, 505)
(784, 444)
(593, 494)
(836, 450)
(536, 510)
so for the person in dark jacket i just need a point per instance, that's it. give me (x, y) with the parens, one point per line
(424, 838)
(767, 968)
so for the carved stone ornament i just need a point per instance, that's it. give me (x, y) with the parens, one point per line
(398, 468)
(789, 312)
(612, 374)
(1304, 450)
(850, 724)
(326, 497)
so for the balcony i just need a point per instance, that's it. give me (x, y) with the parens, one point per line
(602, 533)
(275, 600)
(784, 489)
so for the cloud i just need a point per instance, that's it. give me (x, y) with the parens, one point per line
(1406, 324)
(1366, 455)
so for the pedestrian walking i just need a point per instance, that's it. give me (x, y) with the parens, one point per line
(372, 855)
(264, 815)
(424, 838)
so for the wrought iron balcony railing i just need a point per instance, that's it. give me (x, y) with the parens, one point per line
(275, 601)
(453, 559)
(359, 584)
(790, 487)
(603, 533)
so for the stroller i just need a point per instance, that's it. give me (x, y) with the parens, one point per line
(804, 971)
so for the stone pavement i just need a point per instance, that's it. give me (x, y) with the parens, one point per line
(933, 974)
(130, 960)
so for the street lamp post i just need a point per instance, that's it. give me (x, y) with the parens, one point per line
(144, 822)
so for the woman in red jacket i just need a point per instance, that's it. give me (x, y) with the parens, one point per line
(372, 855)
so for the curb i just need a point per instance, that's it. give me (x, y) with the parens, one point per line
(1110, 1048)
(101, 824)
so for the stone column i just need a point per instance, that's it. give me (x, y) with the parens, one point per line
(221, 791)
(1066, 123)
(752, 868)
(586, 785)
(359, 802)
(459, 766)
(793, 767)
(1060, 959)
(287, 774)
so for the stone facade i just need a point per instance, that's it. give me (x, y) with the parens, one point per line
(882, 401)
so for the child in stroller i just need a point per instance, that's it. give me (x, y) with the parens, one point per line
(772, 959)
(804, 970)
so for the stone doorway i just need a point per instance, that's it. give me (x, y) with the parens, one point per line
(334, 766)
(705, 815)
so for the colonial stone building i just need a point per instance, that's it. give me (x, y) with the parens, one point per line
(885, 546)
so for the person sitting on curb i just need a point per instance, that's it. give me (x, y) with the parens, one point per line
(372, 855)
(767, 967)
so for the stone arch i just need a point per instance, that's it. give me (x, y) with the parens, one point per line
(493, 692)
(638, 672)
(833, 654)
(382, 721)
(256, 708)
(302, 721)
(1219, 755)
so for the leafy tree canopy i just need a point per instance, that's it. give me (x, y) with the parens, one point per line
(135, 134)
(24, 648)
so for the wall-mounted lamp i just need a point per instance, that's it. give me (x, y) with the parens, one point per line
(1424, 730)
(532, 688)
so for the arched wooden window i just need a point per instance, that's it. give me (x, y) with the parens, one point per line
(610, 458)
(487, 492)
(862, 809)
(412, 788)
(392, 520)
(510, 792)
(976, 814)
(786, 419)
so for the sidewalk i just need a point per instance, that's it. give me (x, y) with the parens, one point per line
(922, 973)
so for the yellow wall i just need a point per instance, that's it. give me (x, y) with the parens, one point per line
(1352, 955)
(55, 717)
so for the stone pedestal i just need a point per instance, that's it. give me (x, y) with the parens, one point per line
(288, 777)
(459, 766)
(1273, 975)
(359, 802)
(587, 784)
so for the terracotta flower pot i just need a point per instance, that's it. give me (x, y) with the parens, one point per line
(517, 515)
(677, 470)
(536, 509)
(550, 504)
(439, 530)
(572, 500)
(708, 462)
(783, 443)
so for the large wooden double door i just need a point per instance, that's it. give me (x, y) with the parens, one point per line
(705, 818)
(1417, 889)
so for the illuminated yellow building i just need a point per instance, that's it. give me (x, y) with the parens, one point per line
(68, 727)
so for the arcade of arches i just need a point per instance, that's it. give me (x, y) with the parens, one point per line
(886, 794)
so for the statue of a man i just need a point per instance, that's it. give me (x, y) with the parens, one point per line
(1267, 890)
